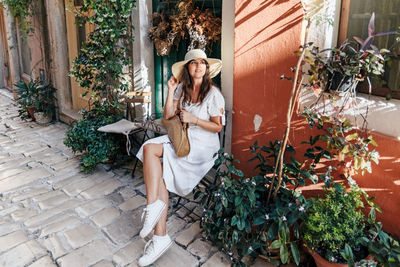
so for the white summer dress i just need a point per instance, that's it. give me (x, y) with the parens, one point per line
(182, 174)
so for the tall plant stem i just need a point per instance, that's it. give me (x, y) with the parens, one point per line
(292, 102)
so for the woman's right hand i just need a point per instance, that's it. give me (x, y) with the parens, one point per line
(172, 83)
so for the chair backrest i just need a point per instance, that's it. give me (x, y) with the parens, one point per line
(131, 98)
(221, 136)
(222, 133)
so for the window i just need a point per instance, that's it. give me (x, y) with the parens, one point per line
(354, 22)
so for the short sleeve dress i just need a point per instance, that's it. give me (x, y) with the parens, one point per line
(182, 174)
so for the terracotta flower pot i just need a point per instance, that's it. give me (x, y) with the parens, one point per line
(31, 111)
(321, 262)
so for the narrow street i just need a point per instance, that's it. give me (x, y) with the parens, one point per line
(51, 214)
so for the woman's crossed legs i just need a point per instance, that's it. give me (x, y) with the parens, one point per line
(155, 186)
(157, 205)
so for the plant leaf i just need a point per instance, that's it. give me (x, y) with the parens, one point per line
(371, 25)
(284, 253)
(295, 253)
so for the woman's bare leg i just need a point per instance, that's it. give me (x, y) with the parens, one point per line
(152, 170)
(161, 226)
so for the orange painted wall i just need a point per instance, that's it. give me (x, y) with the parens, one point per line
(267, 32)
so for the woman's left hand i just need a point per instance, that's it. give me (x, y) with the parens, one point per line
(187, 117)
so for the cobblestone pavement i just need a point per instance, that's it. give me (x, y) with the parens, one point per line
(53, 215)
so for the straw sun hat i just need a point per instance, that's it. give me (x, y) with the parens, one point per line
(214, 64)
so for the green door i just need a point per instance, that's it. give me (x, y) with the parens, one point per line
(162, 64)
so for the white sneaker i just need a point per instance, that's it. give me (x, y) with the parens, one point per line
(153, 213)
(154, 249)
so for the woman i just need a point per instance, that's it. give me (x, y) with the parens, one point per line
(202, 106)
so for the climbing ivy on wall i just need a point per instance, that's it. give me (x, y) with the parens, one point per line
(101, 69)
(103, 59)
(22, 11)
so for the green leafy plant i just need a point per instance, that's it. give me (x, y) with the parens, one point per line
(353, 149)
(238, 218)
(240, 215)
(103, 59)
(101, 69)
(337, 229)
(340, 69)
(45, 99)
(36, 94)
(96, 147)
(383, 247)
(22, 11)
(27, 93)
(335, 221)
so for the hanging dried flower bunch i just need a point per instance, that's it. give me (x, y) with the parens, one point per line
(162, 33)
(199, 27)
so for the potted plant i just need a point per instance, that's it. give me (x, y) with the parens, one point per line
(44, 103)
(238, 218)
(37, 100)
(95, 147)
(339, 234)
(384, 248)
(338, 70)
(26, 93)
(333, 223)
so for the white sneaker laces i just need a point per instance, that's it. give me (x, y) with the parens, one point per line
(151, 248)
(143, 213)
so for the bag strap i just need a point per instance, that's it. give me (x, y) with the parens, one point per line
(185, 125)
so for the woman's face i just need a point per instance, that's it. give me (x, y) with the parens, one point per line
(197, 68)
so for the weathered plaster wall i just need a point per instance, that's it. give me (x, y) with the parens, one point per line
(142, 53)
(37, 43)
(266, 35)
(14, 68)
(59, 63)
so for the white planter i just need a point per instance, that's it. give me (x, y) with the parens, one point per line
(42, 118)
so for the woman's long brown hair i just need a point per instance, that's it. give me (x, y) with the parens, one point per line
(187, 85)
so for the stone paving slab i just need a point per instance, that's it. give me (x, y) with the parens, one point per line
(188, 235)
(22, 254)
(21, 179)
(23, 214)
(11, 240)
(105, 216)
(92, 207)
(124, 228)
(129, 253)
(133, 203)
(43, 262)
(55, 246)
(51, 213)
(11, 172)
(87, 255)
(80, 235)
(60, 226)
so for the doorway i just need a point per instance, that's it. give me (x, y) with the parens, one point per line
(4, 48)
(76, 35)
(163, 64)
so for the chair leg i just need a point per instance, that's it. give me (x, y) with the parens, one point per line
(136, 162)
(177, 203)
(134, 167)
